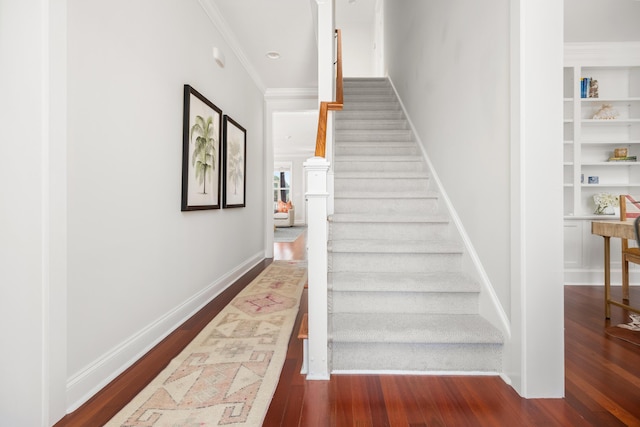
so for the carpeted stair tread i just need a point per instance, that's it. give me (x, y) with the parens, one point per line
(414, 328)
(381, 132)
(363, 146)
(387, 218)
(371, 106)
(381, 174)
(373, 158)
(368, 115)
(393, 195)
(349, 281)
(379, 124)
(394, 247)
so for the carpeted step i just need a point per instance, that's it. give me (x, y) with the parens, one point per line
(353, 114)
(388, 226)
(379, 148)
(368, 125)
(380, 90)
(369, 97)
(441, 293)
(369, 105)
(410, 256)
(362, 163)
(445, 281)
(392, 202)
(415, 342)
(382, 181)
(379, 135)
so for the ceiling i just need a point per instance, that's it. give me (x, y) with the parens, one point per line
(256, 27)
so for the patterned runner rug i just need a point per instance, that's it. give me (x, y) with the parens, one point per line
(629, 332)
(227, 375)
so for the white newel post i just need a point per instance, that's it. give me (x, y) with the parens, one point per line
(316, 169)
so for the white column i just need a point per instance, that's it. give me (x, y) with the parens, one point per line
(316, 169)
(535, 360)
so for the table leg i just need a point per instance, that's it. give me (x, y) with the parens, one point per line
(607, 276)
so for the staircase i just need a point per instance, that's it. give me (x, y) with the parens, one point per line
(398, 299)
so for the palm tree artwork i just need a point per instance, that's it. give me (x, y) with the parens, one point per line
(204, 154)
(235, 164)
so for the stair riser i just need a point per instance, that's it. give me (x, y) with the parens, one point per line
(371, 106)
(373, 136)
(381, 184)
(389, 302)
(369, 125)
(399, 231)
(366, 81)
(352, 91)
(356, 282)
(374, 97)
(379, 166)
(417, 357)
(387, 205)
(375, 150)
(394, 262)
(369, 115)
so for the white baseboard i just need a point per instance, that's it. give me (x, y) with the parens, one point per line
(596, 277)
(84, 384)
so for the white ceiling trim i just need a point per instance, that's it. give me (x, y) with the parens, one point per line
(221, 25)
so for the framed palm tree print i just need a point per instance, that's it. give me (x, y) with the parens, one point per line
(201, 152)
(235, 164)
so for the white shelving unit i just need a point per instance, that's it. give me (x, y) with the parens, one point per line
(588, 144)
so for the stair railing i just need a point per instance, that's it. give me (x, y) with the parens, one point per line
(326, 106)
(316, 168)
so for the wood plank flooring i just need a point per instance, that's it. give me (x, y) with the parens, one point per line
(602, 380)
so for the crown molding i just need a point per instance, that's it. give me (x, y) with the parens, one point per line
(603, 54)
(221, 25)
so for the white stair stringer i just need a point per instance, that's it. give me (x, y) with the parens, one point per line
(398, 297)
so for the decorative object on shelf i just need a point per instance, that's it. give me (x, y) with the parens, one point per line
(593, 88)
(605, 203)
(588, 87)
(623, 159)
(620, 152)
(594, 180)
(606, 112)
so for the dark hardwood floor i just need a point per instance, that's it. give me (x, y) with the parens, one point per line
(602, 380)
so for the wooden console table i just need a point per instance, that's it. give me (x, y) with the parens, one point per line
(609, 229)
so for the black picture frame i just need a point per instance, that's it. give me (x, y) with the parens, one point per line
(201, 152)
(235, 164)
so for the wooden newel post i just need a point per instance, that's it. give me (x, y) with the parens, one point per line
(316, 169)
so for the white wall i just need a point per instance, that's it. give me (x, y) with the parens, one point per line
(358, 50)
(24, 231)
(356, 20)
(601, 20)
(453, 63)
(449, 62)
(138, 266)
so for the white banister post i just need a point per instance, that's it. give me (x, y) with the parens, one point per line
(316, 169)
